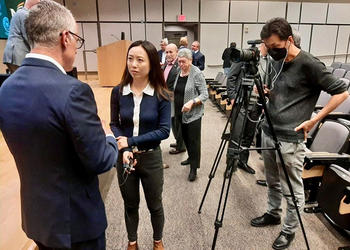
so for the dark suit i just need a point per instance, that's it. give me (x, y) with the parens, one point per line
(50, 124)
(175, 125)
(160, 54)
(198, 59)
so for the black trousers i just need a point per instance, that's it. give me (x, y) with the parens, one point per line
(176, 128)
(95, 244)
(148, 171)
(248, 131)
(191, 133)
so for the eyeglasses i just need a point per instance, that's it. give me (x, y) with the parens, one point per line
(79, 39)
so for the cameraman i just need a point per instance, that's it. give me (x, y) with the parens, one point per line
(250, 107)
(294, 89)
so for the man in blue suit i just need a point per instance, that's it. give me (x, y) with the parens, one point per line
(198, 59)
(50, 124)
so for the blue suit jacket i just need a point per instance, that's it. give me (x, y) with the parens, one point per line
(198, 59)
(50, 124)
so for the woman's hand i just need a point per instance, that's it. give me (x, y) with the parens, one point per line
(122, 142)
(126, 160)
(187, 106)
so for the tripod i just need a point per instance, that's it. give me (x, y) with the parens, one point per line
(251, 78)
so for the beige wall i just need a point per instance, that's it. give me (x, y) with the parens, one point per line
(2, 47)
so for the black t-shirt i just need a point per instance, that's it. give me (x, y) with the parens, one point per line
(294, 94)
(179, 94)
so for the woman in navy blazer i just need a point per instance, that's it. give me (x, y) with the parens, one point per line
(140, 119)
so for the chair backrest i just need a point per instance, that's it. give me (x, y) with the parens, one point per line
(344, 107)
(345, 66)
(330, 69)
(339, 73)
(347, 81)
(221, 79)
(336, 65)
(323, 99)
(347, 75)
(218, 76)
(332, 137)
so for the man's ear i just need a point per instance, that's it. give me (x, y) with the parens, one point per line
(65, 39)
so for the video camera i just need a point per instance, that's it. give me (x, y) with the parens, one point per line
(251, 54)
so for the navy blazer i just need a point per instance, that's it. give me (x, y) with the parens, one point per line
(50, 124)
(154, 120)
(198, 59)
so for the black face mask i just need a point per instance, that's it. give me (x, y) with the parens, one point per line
(277, 53)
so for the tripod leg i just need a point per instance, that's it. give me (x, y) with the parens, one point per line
(213, 171)
(225, 189)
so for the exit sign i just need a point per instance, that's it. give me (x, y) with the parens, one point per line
(181, 18)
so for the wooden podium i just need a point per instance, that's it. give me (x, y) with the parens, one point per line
(111, 61)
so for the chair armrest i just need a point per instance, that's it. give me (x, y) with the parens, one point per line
(325, 158)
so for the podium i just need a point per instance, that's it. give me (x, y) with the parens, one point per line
(111, 61)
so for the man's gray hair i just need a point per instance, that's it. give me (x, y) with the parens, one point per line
(46, 21)
(165, 41)
(185, 53)
(297, 38)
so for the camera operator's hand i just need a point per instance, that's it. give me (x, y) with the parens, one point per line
(306, 126)
(122, 142)
(187, 106)
(126, 156)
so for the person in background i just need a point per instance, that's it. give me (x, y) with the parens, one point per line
(299, 78)
(140, 119)
(183, 43)
(50, 123)
(198, 59)
(161, 53)
(171, 70)
(226, 57)
(190, 93)
(17, 45)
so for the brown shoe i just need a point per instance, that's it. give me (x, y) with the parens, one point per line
(165, 165)
(133, 246)
(158, 245)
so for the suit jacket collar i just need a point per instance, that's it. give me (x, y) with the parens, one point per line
(30, 61)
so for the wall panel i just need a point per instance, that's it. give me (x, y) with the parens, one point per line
(268, 10)
(154, 33)
(309, 10)
(137, 10)
(111, 32)
(211, 46)
(138, 31)
(244, 11)
(83, 10)
(251, 32)
(113, 10)
(154, 10)
(235, 34)
(214, 11)
(293, 12)
(191, 10)
(338, 13)
(172, 8)
(326, 47)
(305, 33)
(343, 43)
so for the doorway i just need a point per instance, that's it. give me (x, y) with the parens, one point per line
(174, 31)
